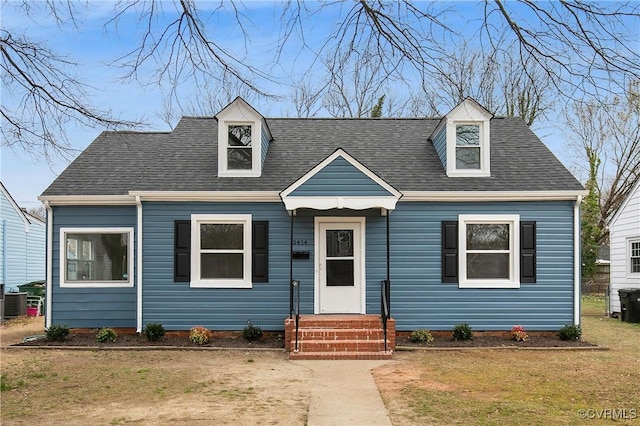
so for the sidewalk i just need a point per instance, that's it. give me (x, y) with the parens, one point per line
(344, 393)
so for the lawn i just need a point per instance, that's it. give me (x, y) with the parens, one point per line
(521, 387)
(241, 387)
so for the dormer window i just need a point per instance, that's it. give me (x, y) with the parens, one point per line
(243, 140)
(468, 146)
(239, 147)
(462, 140)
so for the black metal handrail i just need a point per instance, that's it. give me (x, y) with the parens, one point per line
(295, 293)
(385, 308)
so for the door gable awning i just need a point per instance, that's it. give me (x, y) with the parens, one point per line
(340, 182)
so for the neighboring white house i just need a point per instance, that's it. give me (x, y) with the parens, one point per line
(22, 244)
(624, 229)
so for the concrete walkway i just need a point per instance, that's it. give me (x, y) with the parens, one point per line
(344, 393)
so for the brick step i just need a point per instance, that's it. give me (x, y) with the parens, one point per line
(340, 355)
(340, 345)
(341, 333)
(340, 321)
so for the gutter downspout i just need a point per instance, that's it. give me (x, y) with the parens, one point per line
(139, 265)
(576, 261)
(49, 265)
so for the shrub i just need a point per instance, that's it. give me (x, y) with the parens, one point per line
(154, 331)
(462, 332)
(519, 334)
(421, 336)
(199, 335)
(570, 332)
(57, 333)
(252, 332)
(106, 335)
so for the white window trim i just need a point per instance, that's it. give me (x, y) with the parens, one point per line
(223, 144)
(241, 219)
(628, 272)
(95, 284)
(485, 154)
(514, 257)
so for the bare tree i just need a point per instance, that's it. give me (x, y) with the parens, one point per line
(40, 212)
(582, 47)
(46, 98)
(355, 83)
(608, 138)
(306, 97)
(495, 79)
(181, 49)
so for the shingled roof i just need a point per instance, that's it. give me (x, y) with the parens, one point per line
(397, 150)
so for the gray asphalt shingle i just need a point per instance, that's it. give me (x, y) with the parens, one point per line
(398, 150)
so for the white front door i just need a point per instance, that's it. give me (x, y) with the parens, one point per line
(340, 269)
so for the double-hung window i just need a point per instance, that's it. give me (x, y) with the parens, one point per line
(221, 251)
(634, 257)
(489, 251)
(239, 147)
(96, 257)
(468, 147)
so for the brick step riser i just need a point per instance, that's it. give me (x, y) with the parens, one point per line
(340, 355)
(331, 335)
(339, 346)
(339, 324)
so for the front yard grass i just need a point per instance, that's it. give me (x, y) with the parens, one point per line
(520, 387)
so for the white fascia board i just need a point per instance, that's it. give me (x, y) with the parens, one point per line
(217, 196)
(468, 196)
(88, 200)
(327, 203)
(355, 163)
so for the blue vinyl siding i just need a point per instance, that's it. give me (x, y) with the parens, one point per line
(179, 307)
(340, 178)
(92, 307)
(265, 145)
(22, 249)
(420, 299)
(440, 144)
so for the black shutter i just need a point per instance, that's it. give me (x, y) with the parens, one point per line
(527, 252)
(260, 252)
(182, 251)
(449, 251)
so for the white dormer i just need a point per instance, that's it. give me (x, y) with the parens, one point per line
(243, 139)
(462, 140)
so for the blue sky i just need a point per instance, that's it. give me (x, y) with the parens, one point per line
(93, 45)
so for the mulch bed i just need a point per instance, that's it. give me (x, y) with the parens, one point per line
(486, 341)
(133, 340)
(276, 342)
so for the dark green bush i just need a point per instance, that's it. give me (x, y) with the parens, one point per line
(570, 332)
(421, 336)
(57, 332)
(106, 335)
(462, 332)
(154, 331)
(252, 332)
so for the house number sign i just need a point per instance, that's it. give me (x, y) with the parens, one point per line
(299, 242)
